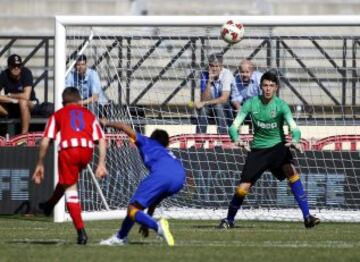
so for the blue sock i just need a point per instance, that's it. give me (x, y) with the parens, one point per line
(126, 226)
(146, 220)
(234, 206)
(300, 196)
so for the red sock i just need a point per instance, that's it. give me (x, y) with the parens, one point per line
(57, 194)
(74, 208)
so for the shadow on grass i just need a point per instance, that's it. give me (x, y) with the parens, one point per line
(140, 243)
(215, 226)
(37, 241)
(27, 217)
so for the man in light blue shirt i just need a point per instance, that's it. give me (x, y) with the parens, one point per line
(215, 85)
(247, 84)
(87, 81)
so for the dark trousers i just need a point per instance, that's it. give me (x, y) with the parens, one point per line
(221, 114)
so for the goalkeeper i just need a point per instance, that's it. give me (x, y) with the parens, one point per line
(269, 149)
(166, 177)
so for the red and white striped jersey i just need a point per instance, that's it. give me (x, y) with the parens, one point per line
(75, 125)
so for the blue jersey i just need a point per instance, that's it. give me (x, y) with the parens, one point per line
(167, 175)
(155, 155)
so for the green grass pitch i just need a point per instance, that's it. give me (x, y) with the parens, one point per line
(38, 239)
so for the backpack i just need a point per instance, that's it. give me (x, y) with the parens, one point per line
(44, 109)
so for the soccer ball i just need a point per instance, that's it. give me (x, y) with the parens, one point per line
(232, 32)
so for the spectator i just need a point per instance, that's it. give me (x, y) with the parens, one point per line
(19, 99)
(215, 85)
(247, 84)
(87, 81)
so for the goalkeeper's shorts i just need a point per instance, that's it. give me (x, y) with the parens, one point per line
(260, 160)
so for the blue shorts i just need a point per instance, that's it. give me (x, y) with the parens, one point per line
(157, 186)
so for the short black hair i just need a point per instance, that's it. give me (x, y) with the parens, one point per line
(272, 76)
(70, 95)
(161, 136)
(215, 58)
(81, 57)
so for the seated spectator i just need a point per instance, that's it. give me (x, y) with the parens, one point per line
(247, 84)
(215, 85)
(19, 99)
(87, 81)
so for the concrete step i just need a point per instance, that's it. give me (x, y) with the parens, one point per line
(24, 16)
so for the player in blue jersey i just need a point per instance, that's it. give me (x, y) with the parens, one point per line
(166, 177)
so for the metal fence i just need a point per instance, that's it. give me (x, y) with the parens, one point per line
(38, 55)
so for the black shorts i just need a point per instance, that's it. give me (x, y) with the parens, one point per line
(260, 160)
(13, 110)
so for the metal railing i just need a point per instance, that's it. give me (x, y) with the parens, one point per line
(41, 48)
(333, 143)
(29, 48)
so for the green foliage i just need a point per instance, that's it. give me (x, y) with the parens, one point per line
(39, 239)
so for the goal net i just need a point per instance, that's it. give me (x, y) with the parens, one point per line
(150, 70)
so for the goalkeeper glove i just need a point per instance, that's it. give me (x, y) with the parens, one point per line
(244, 145)
(233, 133)
(296, 145)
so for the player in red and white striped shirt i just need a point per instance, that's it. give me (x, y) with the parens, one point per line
(77, 130)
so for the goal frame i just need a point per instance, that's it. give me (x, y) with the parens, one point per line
(60, 57)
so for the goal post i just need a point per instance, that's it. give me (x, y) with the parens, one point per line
(150, 69)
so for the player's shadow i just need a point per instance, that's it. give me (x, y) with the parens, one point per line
(215, 226)
(147, 242)
(37, 242)
(27, 217)
(141, 243)
(204, 226)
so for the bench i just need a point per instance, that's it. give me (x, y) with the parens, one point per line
(9, 125)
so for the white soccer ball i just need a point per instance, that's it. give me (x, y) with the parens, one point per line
(232, 32)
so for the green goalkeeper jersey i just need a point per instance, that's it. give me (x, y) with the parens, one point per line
(268, 121)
